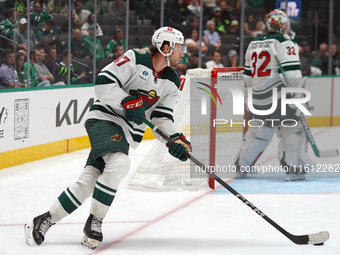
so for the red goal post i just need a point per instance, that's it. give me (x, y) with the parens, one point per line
(214, 79)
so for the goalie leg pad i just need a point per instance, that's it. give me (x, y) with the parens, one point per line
(255, 142)
(293, 152)
(117, 165)
(293, 147)
(71, 198)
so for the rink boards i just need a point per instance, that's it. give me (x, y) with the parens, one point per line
(40, 122)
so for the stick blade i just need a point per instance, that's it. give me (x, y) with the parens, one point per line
(318, 238)
(328, 154)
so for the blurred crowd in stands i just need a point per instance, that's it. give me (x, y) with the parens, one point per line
(48, 42)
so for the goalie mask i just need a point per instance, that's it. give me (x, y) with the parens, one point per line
(278, 22)
(168, 34)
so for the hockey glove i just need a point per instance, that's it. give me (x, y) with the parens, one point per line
(134, 108)
(180, 145)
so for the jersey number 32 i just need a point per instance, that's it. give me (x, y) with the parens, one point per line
(261, 71)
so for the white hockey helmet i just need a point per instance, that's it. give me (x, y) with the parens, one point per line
(278, 22)
(168, 34)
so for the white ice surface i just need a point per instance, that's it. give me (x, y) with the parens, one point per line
(177, 222)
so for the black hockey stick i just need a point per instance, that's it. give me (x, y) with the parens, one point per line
(316, 239)
(317, 152)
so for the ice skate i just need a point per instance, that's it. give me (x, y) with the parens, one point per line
(293, 173)
(35, 231)
(295, 177)
(239, 174)
(93, 232)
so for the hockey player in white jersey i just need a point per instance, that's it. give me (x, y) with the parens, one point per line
(262, 74)
(136, 85)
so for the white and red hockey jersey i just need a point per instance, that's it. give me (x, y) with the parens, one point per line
(261, 70)
(125, 76)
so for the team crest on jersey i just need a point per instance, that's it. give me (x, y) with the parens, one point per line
(149, 97)
(116, 138)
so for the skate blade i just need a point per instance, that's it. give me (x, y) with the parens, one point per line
(89, 242)
(295, 178)
(28, 228)
(241, 175)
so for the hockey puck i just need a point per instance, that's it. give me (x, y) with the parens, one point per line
(318, 244)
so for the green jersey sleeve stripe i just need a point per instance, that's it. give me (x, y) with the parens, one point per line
(112, 76)
(164, 108)
(290, 62)
(112, 112)
(136, 137)
(103, 80)
(156, 114)
(247, 72)
(291, 68)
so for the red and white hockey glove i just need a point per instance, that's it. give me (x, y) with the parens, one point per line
(180, 145)
(134, 108)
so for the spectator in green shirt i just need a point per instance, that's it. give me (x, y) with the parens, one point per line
(90, 44)
(39, 17)
(19, 68)
(118, 38)
(34, 82)
(78, 45)
(48, 25)
(8, 26)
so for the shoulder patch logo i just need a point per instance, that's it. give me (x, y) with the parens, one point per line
(116, 138)
(144, 74)
(140, 51)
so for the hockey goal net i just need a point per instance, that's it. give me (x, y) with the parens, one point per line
(194, 115)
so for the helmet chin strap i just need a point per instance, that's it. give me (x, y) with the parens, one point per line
(166, 55)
